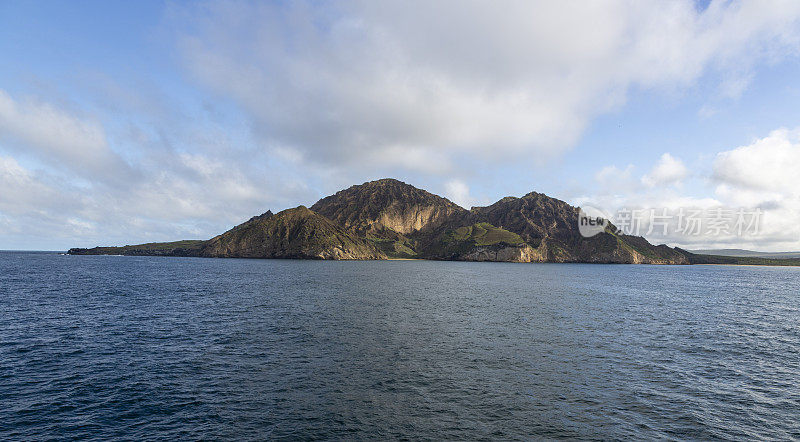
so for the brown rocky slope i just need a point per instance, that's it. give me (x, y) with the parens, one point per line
(293, 233)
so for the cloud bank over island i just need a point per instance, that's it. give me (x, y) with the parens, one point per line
(352, 81)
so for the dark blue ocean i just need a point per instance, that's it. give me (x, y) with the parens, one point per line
(106, 347)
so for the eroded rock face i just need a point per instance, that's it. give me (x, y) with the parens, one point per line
(505, 253)
(410, 219)
(387, 204)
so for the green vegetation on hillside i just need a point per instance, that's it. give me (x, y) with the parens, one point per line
(455, 243)
(392, 248)
(482, 234)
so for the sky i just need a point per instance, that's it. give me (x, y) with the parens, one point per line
(130, 122)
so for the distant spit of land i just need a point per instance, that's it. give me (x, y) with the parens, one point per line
(748, 253)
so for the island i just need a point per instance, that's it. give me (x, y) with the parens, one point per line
(389, 219)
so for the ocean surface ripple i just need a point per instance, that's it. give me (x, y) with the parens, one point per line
(101, 347)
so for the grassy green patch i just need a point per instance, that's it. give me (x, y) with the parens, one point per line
(482, 234)
(392, 248)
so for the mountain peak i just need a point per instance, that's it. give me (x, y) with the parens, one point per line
(387, 182)
(386, 204)
(299, 210)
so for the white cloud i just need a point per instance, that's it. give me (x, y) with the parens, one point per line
(706, 111)
(610, 173)
(770, 163)
(457, 191)
(734, 86)
(23, 193)
(614, 179)
(358, 79)
(761, 176)
(669, 170)
(54, 136)
(73, 189)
